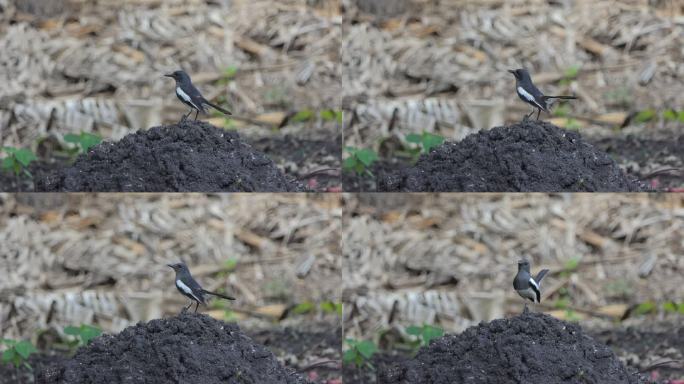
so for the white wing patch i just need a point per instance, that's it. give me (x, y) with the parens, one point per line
(186, 289)
(185, 96)
(534, 283)
(529, 97)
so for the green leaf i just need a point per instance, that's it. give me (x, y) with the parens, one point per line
(72, 138)
(430, 333)
(572, 264)
(303, 115)
(88, 332)
(670, 115)
(645, 308)
(230, 264)
(645, 115)
(328, 115)
(303, 308)
(8, 355)
(25, 349)
(230, 72)
(414, 138)
(8, 163)
(366, 348)
(349, 163)
(670, 307)
(572, 72)
(328, 306)
(680, 116)
(89, 140)
(349, 356)
(7, 341)
(562, 111)
(366, 156)
(414, 330)
(71, 330)
(430, 141)
(25, 156)
(9, 150)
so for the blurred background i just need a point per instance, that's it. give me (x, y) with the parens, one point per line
(448, 260)
(440, 67)
(101, 259)
(74, 66)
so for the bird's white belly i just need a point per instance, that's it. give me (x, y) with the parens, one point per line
(528, 294)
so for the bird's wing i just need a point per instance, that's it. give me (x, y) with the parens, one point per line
(188, 290)
(195, 95)
(535, 288)
(529, 96)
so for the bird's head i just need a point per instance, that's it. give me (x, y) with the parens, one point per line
(178, 266)
(519, 73)
(523, 264)
(178, 75)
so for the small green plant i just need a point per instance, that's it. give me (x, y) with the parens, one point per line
(228, 75)
(425, 141)
(570, 74)
(227, 267)
(359, 160)
(303, 308)
(81, 335)
(424, 334)
(359, 352)
(331, 115)
(672, 115)
(82, 142)
(17, 160)
(645, 116)
(572, 124)
(331, 307)
(570, 267)
(17, 352)
(645, 308)
(672, 307)
(302, 116)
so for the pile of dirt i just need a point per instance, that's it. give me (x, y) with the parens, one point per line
(188, 348)
(529, 348)
(189, 156)
(527, 156)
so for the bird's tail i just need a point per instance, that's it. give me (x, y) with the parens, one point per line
(541, 275)
(225, 111)
(218, 294)
(560, 97)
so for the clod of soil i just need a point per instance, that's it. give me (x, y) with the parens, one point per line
(527, 156)
(189, 156)
(529, 348)
(188, 348)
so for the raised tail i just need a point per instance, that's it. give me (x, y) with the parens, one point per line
(218, 294)
(541, 275)
(223, 110)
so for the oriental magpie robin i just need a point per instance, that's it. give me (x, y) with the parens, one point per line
(530, 94)
(189, 95)
(190, 288)
(528, 287)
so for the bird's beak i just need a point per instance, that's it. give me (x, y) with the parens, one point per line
(169, 75)
(512, 71)
(170, 265)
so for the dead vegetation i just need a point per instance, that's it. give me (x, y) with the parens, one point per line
(74, 65)
(450, 259)
(101, 259)
(441, 67)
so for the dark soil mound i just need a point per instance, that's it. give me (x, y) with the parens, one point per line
(528, 156)
(530, 348)
(189, 156)
(187, 348)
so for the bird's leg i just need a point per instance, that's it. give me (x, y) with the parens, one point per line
(186, 308)
(196, 113)
(538, 112)
(528, 115)
(186, 115)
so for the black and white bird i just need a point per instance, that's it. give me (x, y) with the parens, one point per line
(190, 96)
(528, 287)
(191, 288)
(530, 94)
